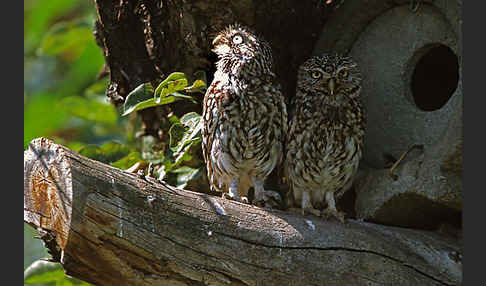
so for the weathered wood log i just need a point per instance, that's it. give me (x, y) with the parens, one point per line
(110, 227)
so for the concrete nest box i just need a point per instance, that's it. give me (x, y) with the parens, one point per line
(410, 58)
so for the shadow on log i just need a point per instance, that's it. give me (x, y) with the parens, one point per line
(110, 227)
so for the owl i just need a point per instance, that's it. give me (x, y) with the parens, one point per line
(326, 132)
(244, 117)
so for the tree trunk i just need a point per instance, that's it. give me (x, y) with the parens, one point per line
(146, 40)
(110, 227)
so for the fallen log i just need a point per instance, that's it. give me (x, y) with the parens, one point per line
(110, 227)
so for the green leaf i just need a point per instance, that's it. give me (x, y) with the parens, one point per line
(128, 161)
(176, 133)
(175, 81)
(180, 96)
(69, 37)
(183, 155)
(139, 106)
(107, 153)
(38, 15)
(186, 174)
(70, 281)
(180, 145)
(42, 116)
(94, 109)
(139, 98)
(174, 119)
(41, 271)
(161, 173)
(197, 86)
(98, 87)
(192, 120)
(171, 88)
(34, 249)
(201, 75)
(134, 106)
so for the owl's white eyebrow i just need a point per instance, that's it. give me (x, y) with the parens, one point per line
(341, 68)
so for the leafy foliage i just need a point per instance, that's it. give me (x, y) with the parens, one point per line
(184, 133)
(64, 101)
(144, 96)
(49, 273)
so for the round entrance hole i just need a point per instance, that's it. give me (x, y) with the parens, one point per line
(435, 78)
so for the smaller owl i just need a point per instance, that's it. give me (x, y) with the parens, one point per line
(326, 133)
(244, 116)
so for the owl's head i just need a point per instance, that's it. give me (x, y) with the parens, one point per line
(240, 50)
(332, 76)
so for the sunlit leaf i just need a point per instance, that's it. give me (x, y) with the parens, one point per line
(171, 88)
(179, 96)
(197, 86)
(193, 125)
(201, 75)
(43, 271)
(139, 106)
(192, 120)
(183, 155)
(70, 281)
(186, 174)
(175, 79)
(91, 109)
(139, 98)
(161, 173)
(183, 139)
(51, 273)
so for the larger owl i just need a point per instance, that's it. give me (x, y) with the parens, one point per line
(244, 116)
(326, 133)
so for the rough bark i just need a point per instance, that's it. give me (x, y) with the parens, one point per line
(110, 227)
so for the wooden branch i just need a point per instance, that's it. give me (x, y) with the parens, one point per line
(110, 227)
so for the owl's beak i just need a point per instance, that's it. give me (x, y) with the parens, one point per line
(331, 85)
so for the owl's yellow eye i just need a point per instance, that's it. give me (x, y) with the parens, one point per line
(316, 74)
(237, 39)
(343, 73)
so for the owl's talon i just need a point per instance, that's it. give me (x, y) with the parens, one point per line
(268, 198)
(313, 211)
(235, 198)
(330, 212)
(302, 212)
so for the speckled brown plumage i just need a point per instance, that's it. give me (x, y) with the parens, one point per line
(326, 133)
(244, 115)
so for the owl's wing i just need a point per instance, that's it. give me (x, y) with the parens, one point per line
(211, 119)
